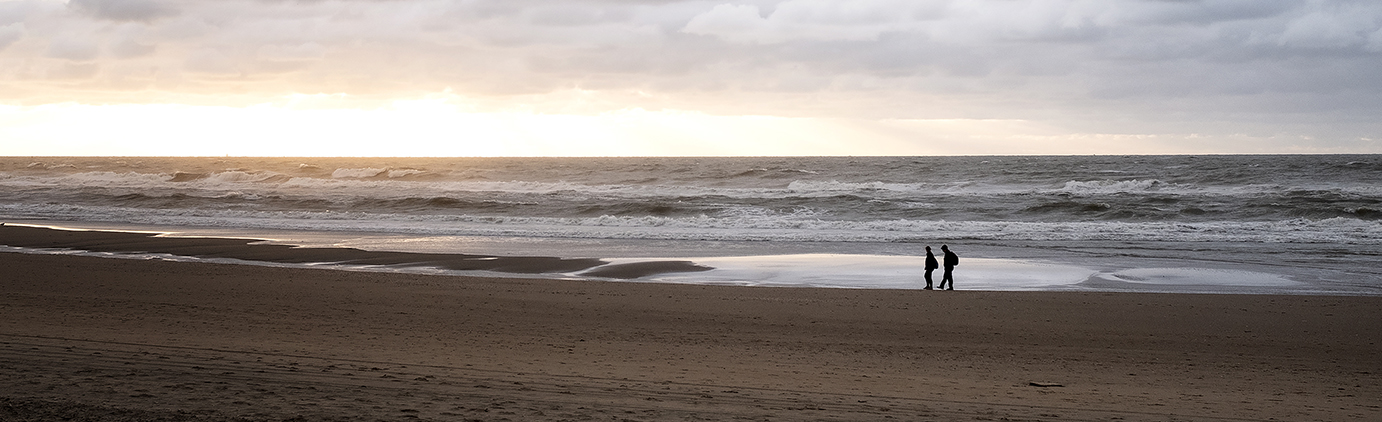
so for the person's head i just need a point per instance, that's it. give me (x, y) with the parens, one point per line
(944, 248)
(928, 249)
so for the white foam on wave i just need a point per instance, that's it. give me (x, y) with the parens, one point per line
(49, 166)
(404, 172)
(1114, 186)
(372, 172)
(237, 176)
(870, 272)
(1199, 277)
(360, 173)
(1140, 186)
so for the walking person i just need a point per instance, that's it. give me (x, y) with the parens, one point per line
(931, 265)
(951, 260)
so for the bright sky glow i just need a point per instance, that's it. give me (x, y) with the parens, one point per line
(602, 78)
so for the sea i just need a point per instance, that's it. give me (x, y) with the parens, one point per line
(1234, 224)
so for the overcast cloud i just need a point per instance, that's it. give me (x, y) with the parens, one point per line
(1308, 72)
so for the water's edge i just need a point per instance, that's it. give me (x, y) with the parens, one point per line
(984, 267)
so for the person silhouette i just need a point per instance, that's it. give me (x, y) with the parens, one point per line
(951, 260)
(931, 265)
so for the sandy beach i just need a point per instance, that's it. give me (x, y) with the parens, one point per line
(88, 338)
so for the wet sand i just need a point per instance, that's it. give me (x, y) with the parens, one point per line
(257, 250)
(88, 338)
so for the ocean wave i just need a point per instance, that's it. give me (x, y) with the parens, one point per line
(360, 173)
(136, 180)
(182, 199)
(1065, 207)
(240, 176)
(49, 166)
(104, 179)
(873, 199)
(1365, 213)
(265, 190)
(372, 172)
(773, 173)
(428, 203)
(387, 182)
(402, 173)
(179, 177)
(835, 187)
(803, 225)
(1105, 187)
(838, 186)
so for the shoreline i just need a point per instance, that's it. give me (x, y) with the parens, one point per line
(1046, 267)
(87, 335)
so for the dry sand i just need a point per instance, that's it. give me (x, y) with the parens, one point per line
(85, 338)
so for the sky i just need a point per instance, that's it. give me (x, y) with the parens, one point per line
(656, 78)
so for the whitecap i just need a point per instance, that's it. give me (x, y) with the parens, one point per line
(358, 173)
(404, 173)
(1111, 186)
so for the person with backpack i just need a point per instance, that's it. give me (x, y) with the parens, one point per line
(951, 260)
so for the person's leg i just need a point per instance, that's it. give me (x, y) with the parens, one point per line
(928, 278)
(948, 278)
